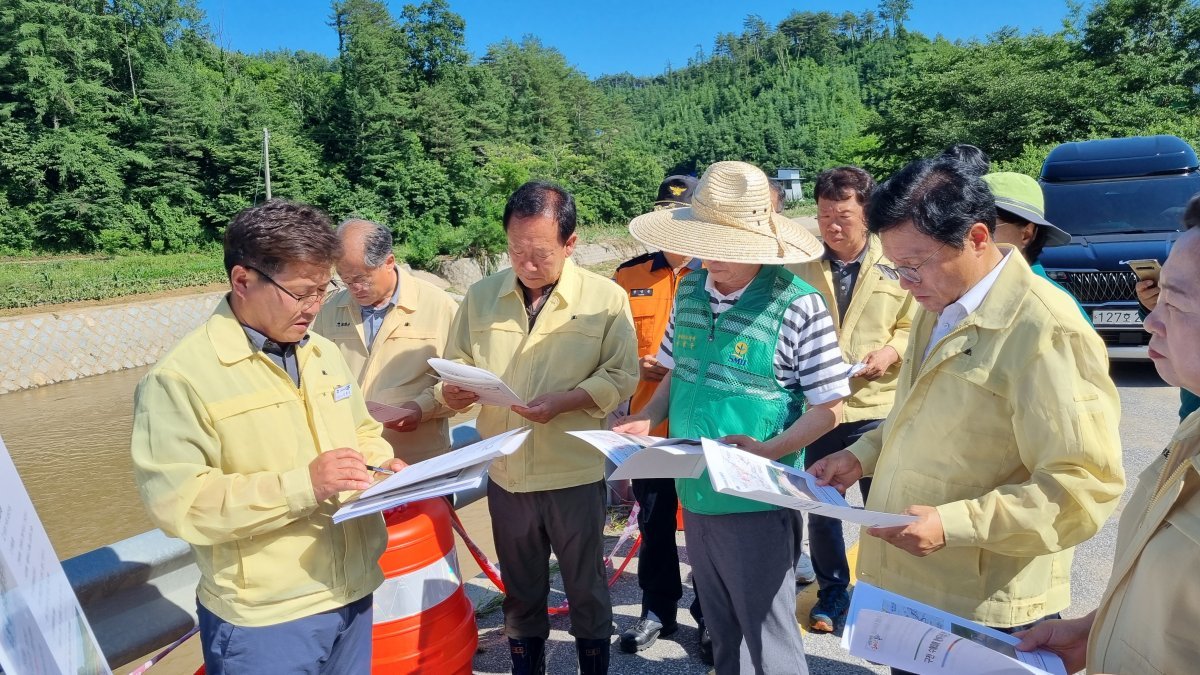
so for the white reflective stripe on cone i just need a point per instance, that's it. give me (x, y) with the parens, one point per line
(410, 594)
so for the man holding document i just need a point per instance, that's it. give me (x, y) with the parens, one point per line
(1003, 438)
(387, 324)
(246, 436)
(755, 363)
(563, 339)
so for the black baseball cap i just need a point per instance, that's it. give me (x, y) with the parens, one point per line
(676, 191)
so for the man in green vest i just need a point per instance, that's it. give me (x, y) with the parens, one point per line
(754, 362)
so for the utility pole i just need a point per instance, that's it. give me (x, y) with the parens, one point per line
(267, 161)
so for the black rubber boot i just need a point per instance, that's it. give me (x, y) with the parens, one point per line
(593, 656)
(528, 656)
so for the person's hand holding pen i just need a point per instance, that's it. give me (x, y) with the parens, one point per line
(343, 470)
(391, 469)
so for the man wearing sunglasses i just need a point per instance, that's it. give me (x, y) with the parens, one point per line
(245, 437)
(1003, 437)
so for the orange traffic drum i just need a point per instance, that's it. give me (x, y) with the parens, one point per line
(424, 622)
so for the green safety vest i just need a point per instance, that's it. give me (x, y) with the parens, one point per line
(724, 382)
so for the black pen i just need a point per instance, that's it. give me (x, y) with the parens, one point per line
(380, 469)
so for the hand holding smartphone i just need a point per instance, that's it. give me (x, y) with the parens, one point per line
(1145, 269)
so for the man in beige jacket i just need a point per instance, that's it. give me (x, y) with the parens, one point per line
(1147, 619)
(563, 338)
(1003, 438)
(871, 315)
(387, 324)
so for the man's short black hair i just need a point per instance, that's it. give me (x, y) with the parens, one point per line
(970, 155)
(540, 197)
(272, 235)
(844, 182)
(942, 198)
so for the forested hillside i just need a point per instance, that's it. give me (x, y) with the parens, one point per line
(124, 127)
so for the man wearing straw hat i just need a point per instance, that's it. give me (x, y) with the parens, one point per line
(755, 362)
(651, 281)
(1003, 437)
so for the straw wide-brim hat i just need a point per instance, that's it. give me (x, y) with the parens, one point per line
(731, 219)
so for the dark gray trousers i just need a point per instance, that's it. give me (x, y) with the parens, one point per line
(745, 563)
(337, 642)
(526, 527)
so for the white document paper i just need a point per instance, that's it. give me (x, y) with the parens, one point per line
(902, 633)
(490, 388)
(384, 413)
(442, 475)
(736, 472)
(42, 627)
(467, 478)
(647, 456)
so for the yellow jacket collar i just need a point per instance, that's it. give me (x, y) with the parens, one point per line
(229, 340)
(567, 288)
(999, 308)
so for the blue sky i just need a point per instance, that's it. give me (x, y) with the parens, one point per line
(610, 36)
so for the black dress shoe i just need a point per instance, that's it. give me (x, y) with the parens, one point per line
(644, 634)
(706, 648)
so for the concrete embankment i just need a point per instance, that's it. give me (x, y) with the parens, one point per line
(67, 344)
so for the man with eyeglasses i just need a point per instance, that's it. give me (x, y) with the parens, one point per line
(246, 435)
(1003, 437)
(562, 337)
(388, 324)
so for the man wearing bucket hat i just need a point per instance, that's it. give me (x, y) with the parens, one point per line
(650, 280)
(1003, 438)
(1021, 221)
(754, 361)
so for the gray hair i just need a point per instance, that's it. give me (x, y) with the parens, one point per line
(377, 242)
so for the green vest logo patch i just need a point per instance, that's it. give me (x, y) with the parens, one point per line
(738, 357)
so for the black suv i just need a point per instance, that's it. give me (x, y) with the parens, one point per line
(1121, 199)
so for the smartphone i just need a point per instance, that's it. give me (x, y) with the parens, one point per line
(1145, 269)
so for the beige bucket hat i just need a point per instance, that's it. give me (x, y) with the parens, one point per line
(730, 220)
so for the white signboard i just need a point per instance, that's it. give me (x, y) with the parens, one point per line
(42, 627)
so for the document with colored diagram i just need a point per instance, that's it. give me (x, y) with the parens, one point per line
(455, 471)
(487, 385)
(647, 456)
(739, 473)
(900, 632)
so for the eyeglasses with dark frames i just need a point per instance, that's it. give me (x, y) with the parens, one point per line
(306, 301)
(910, 274)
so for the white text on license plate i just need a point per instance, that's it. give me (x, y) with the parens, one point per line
(1116, 317)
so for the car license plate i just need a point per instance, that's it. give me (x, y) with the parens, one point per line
(1116, 317)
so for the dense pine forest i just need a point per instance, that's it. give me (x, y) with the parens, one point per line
(125, 127)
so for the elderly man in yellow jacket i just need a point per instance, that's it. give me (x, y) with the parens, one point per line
(245, 437)
(871, 315)
(563, 339)
(1003, 438)
(1147, 619)
(388, 324)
